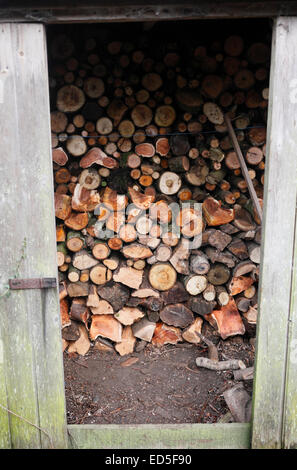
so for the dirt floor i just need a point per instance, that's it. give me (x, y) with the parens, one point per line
(160, 385)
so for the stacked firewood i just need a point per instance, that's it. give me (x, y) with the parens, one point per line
(156, 233)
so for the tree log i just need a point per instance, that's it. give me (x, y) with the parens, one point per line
(177, 315)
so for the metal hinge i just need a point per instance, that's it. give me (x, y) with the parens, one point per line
(35, 283)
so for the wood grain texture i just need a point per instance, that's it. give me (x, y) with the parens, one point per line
(29, 321)
(139, 10)
(290, 404)
(278, 240)
(161, 436)
(5, 441)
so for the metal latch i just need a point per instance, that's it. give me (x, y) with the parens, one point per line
(35, 283)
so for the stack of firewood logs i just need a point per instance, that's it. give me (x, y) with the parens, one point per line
(156, 233)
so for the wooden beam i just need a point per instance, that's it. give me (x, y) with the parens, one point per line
(29, 320)
(160, 436)
(280, 191)
(5, 440)
(139, 10)
(290, 404)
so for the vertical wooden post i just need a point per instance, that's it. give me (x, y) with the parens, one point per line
(280, 192)
(32, 367)
(290, 404)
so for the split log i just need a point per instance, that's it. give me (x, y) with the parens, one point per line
(144, 329)
(223, 257)
(239, 284)
(244, 267)
(82, 345)
(84, 200)
(129, 277)
(116, 294)
(96, 155)
(189, 334)
(71, 332)
(82, 260)
(93, 298)
(78, 289)
(201, 306)
(102, 308)
(106, 326)
(215, 214)
(238, 248)
(77, 221)
(59, 156)
(79, 311)
(227, 320)
(176, 294)
(114, 201)
(64, 313)
(160, 211)
(243, 220)
(129, 315)
(239, 402)
(180, 257)
(153, 304)
(104, 345)
(142, 201)
(177, 315)
(165, 334)
(62, 290)
(126, 346)
(112, 262)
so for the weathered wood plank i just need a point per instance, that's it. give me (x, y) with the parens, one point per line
(280, 192)
(5, 442)
(139, 10)
(290, 405)
(161, 436)
(29, 321)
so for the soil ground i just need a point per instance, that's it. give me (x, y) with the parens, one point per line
(163, 385)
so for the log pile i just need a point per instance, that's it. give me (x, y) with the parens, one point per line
(156, 233)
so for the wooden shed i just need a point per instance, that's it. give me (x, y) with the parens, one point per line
(32, 401)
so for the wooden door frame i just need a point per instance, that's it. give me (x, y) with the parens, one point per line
(31, 367)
